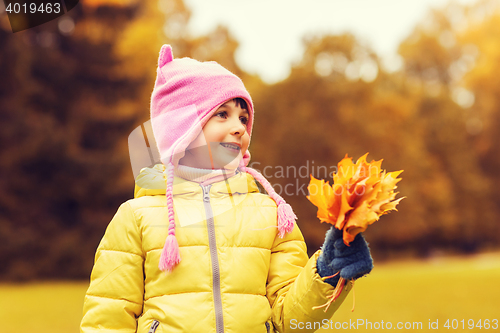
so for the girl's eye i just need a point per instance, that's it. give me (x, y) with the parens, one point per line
(244, 120)
(222, 114)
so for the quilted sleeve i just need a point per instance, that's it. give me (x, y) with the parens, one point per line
(294, 287)
(115, 296)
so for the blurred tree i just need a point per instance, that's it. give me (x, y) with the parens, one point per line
(336, 101)
(65, 108)
(437, 55)
(71, 92)
(479, 89)
(339, 99)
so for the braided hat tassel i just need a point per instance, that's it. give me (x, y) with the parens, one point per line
(170, 255)
(286, 216)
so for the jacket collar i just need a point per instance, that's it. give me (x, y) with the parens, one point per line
(151, 182)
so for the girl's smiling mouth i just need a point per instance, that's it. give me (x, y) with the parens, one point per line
(231, 145)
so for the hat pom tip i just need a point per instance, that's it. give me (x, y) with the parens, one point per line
(170, 255)
(286, 219)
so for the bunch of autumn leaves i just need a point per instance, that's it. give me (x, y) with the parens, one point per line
(361, 192)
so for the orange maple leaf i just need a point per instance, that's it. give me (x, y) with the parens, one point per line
(361, 192)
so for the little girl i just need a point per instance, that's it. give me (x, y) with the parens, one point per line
(199, 249)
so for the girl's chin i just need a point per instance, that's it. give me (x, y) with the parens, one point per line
(222, 158)
(225, 159)
(233, 165)
(227, 164)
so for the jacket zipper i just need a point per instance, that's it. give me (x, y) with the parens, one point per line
(154, 326)
(219, 320)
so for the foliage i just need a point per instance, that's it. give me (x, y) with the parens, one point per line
(361, 192)
(419, 119)
(67, 108)
(73, 89)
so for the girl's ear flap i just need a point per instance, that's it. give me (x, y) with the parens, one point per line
(165, 55)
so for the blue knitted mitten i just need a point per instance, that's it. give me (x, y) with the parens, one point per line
(351, 261)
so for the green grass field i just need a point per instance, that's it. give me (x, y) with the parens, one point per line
(403, 292)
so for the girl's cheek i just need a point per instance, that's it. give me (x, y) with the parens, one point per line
(199, 141)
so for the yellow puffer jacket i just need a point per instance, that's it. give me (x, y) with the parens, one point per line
(235, 274)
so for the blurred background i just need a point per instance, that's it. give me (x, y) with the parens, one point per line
(72, 90)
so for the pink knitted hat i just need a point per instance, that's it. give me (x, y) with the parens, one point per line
(186, 95)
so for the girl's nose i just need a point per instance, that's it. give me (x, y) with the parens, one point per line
(238, 128)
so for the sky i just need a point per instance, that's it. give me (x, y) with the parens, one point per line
(270, 32)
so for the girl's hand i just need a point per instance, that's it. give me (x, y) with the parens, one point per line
(351, 261)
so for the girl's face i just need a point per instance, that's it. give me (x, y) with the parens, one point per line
(223, 141)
